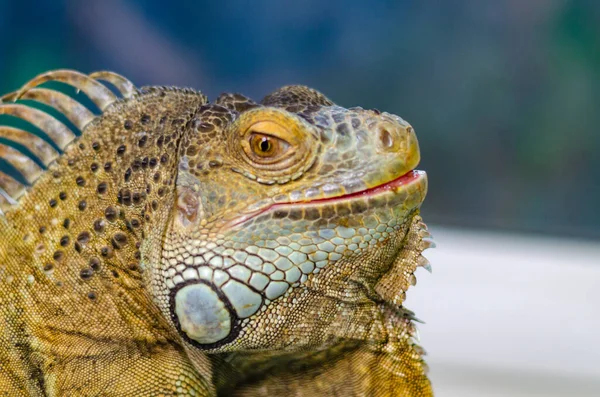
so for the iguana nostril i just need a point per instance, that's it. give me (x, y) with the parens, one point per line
(386, 138)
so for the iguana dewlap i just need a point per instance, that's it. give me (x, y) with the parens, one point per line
(162, 244)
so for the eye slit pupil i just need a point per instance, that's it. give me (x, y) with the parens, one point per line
(265, 145)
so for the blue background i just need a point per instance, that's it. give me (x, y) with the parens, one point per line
(504, 95)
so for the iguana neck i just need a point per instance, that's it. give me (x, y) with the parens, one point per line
(103, 206)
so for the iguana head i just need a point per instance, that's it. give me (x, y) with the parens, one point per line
(291, 208)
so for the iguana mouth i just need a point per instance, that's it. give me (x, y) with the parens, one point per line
(393, 186)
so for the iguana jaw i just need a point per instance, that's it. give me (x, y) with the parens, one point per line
(412, 186)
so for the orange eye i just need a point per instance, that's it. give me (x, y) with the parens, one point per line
(266, 146)
(271, 144)
(263, 145)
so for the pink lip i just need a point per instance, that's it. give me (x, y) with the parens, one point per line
(405, 179)
(391, 185)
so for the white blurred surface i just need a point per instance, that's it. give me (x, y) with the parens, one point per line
(510, 315)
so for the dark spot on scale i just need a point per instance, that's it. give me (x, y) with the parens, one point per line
(206, 127)
(96, 146)
(280, 214)
(99, 225)
(102, 187)
(115, 273)
(136, 198)
(48, 267)
(121, 150)
(111, 214)
(358, 206)
(106, 252)
(95, 264)
(91, 296)
(136, 165)
(58, 256)
(86, 274)
(343, 129)
(338, 117)
(128, 124)
(62, 196)
(119, 240)
(42, 229)
(80, 181)
(311, 214)
(295, 108)
(124, 197)
(66, 223)
(108, 166)
(52, 203)
(145, 119)
(128, 175)
(295, 214)
(83, 238)
(82, 205)
(191, 150)
(64, 241)
(327, 212)
(342, 209)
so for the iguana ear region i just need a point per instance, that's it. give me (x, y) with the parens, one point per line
(208, 315)
(203, 315)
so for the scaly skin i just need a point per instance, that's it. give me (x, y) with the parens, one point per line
(180, 247)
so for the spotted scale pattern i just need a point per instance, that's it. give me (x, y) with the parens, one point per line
(160, 255)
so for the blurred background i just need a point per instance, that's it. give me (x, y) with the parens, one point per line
(505, 99)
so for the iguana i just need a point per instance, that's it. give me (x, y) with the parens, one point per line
(158, 244)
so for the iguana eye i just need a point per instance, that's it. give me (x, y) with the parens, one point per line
(267, 146)
(273, 143)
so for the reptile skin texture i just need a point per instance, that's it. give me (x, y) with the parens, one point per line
(153, 243)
